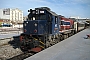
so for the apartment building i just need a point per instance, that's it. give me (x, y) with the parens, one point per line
(11, 15)
(16, 15)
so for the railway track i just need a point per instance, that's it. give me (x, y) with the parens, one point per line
(5, 41)
(22, 56)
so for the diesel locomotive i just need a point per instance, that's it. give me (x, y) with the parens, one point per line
(40, 30)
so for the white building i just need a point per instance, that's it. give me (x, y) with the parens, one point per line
(25, 18)
(13, 15)
(16, 15)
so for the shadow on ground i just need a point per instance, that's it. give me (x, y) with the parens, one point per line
(15, 42)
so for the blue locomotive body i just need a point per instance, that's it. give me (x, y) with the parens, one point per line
(41, 29)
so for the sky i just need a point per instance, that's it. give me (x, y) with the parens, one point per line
(67, 8)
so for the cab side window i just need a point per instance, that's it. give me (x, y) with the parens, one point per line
(56, 20)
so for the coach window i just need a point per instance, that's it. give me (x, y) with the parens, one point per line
(67, 23)
(62, 22)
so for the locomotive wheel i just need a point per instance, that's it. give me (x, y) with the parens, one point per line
(53, 42)
(23, 45)
(59, 39)
(47, 44)
(56, 41)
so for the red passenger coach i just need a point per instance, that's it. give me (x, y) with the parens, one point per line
(66, 23)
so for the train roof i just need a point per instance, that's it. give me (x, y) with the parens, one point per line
(53, 13)
(48, 9)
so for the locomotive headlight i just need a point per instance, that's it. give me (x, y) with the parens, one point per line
(41, 11)
(37, 11)
(27, 22)
(33, 12)
(35, 24)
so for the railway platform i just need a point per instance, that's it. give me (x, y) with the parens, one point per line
(76, 47)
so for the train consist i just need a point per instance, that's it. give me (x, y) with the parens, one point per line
(44, 28)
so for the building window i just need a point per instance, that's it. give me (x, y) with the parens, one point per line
(4, 12)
